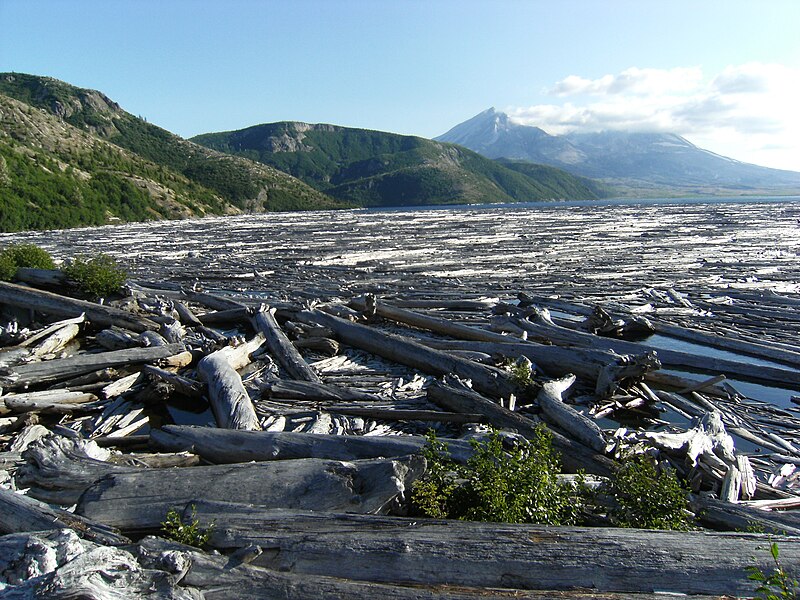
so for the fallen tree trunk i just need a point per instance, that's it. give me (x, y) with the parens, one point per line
(49, 371)
(408, 352)
(567, 418)
(230, 446)
(54, 304)
(606, 369)
(140, 500)
(669, 358)
(429, 552)
(574, 455)
(314, 392)
(228, 397)
(281, 348)
(19, 513)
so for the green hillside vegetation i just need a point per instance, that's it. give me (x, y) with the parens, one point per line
(90, 181)
(372, 168)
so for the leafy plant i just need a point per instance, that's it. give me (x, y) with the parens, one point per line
(516, 486)
(15, 256)
(97, 276)
(189, 533)
(647, 498)
(779, 585)
(522, 373)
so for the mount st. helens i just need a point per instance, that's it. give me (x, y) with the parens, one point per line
(374, 168)
(638, 162)
(72, 157)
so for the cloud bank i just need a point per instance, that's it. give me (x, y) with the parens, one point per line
(748, 112)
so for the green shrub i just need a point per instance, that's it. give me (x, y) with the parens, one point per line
(648, 499)
(189, 533)
(8, 268)
(778, 585)
(23, 255)
(516, 486)
(97, 276)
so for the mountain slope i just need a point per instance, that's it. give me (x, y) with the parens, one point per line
(639, 160)
(209, 181)
(373, 168)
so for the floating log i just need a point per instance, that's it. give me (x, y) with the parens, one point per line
(606, 369)
(281, 348)
(49, 371)
(669, 358)
(54, 304)
(140, 499)
(228, 397)
(429, 552)
(230, 446)
(408, 352)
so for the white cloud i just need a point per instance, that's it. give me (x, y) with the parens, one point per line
(747, 112)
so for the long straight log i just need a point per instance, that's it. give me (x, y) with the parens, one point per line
(314, 392)
(281, 348)
(20, 513)
(602, 367)
(140, 500)
(47, 302)
(22, 376)
(574, 455)
(231, 446)
(408, 352)
(669, 358)
(429, 552)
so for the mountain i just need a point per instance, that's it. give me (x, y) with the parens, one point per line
(71, 157)
(639, 161)
(373, 168)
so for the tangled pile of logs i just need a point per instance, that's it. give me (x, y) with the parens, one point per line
(308, 422)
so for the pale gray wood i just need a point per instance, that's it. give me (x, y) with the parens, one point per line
(182, 385)
(47, 278)
(313, 391)
(56, 341)
(231, 446)
(48, 401)
(669, 358)
(578, 426)
(141, 499)
(230, 401)
(429, 552)
(408, 352)
(54, 304)
(20, 513)
(22, 376)
(574, 455)
(604, 368)
(281, 348)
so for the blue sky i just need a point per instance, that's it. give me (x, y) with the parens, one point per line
(725, 74)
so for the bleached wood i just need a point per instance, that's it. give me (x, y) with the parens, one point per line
(47, 302)
(281, 348)
(228, 397)
(428, 551)
(141, 499)
(576, 425)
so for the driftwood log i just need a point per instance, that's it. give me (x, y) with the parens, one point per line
(229, 399)
(429, 552)
(281, 348)
(230, 446)
(141, 499)
(55, 304)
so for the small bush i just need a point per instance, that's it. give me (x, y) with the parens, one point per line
(97, 276)
(189, 533)
(23, 255)
(647, 499)
(779, 584)
(515, 486)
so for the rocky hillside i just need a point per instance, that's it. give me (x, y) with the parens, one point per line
(72, 157)
(373, 168)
